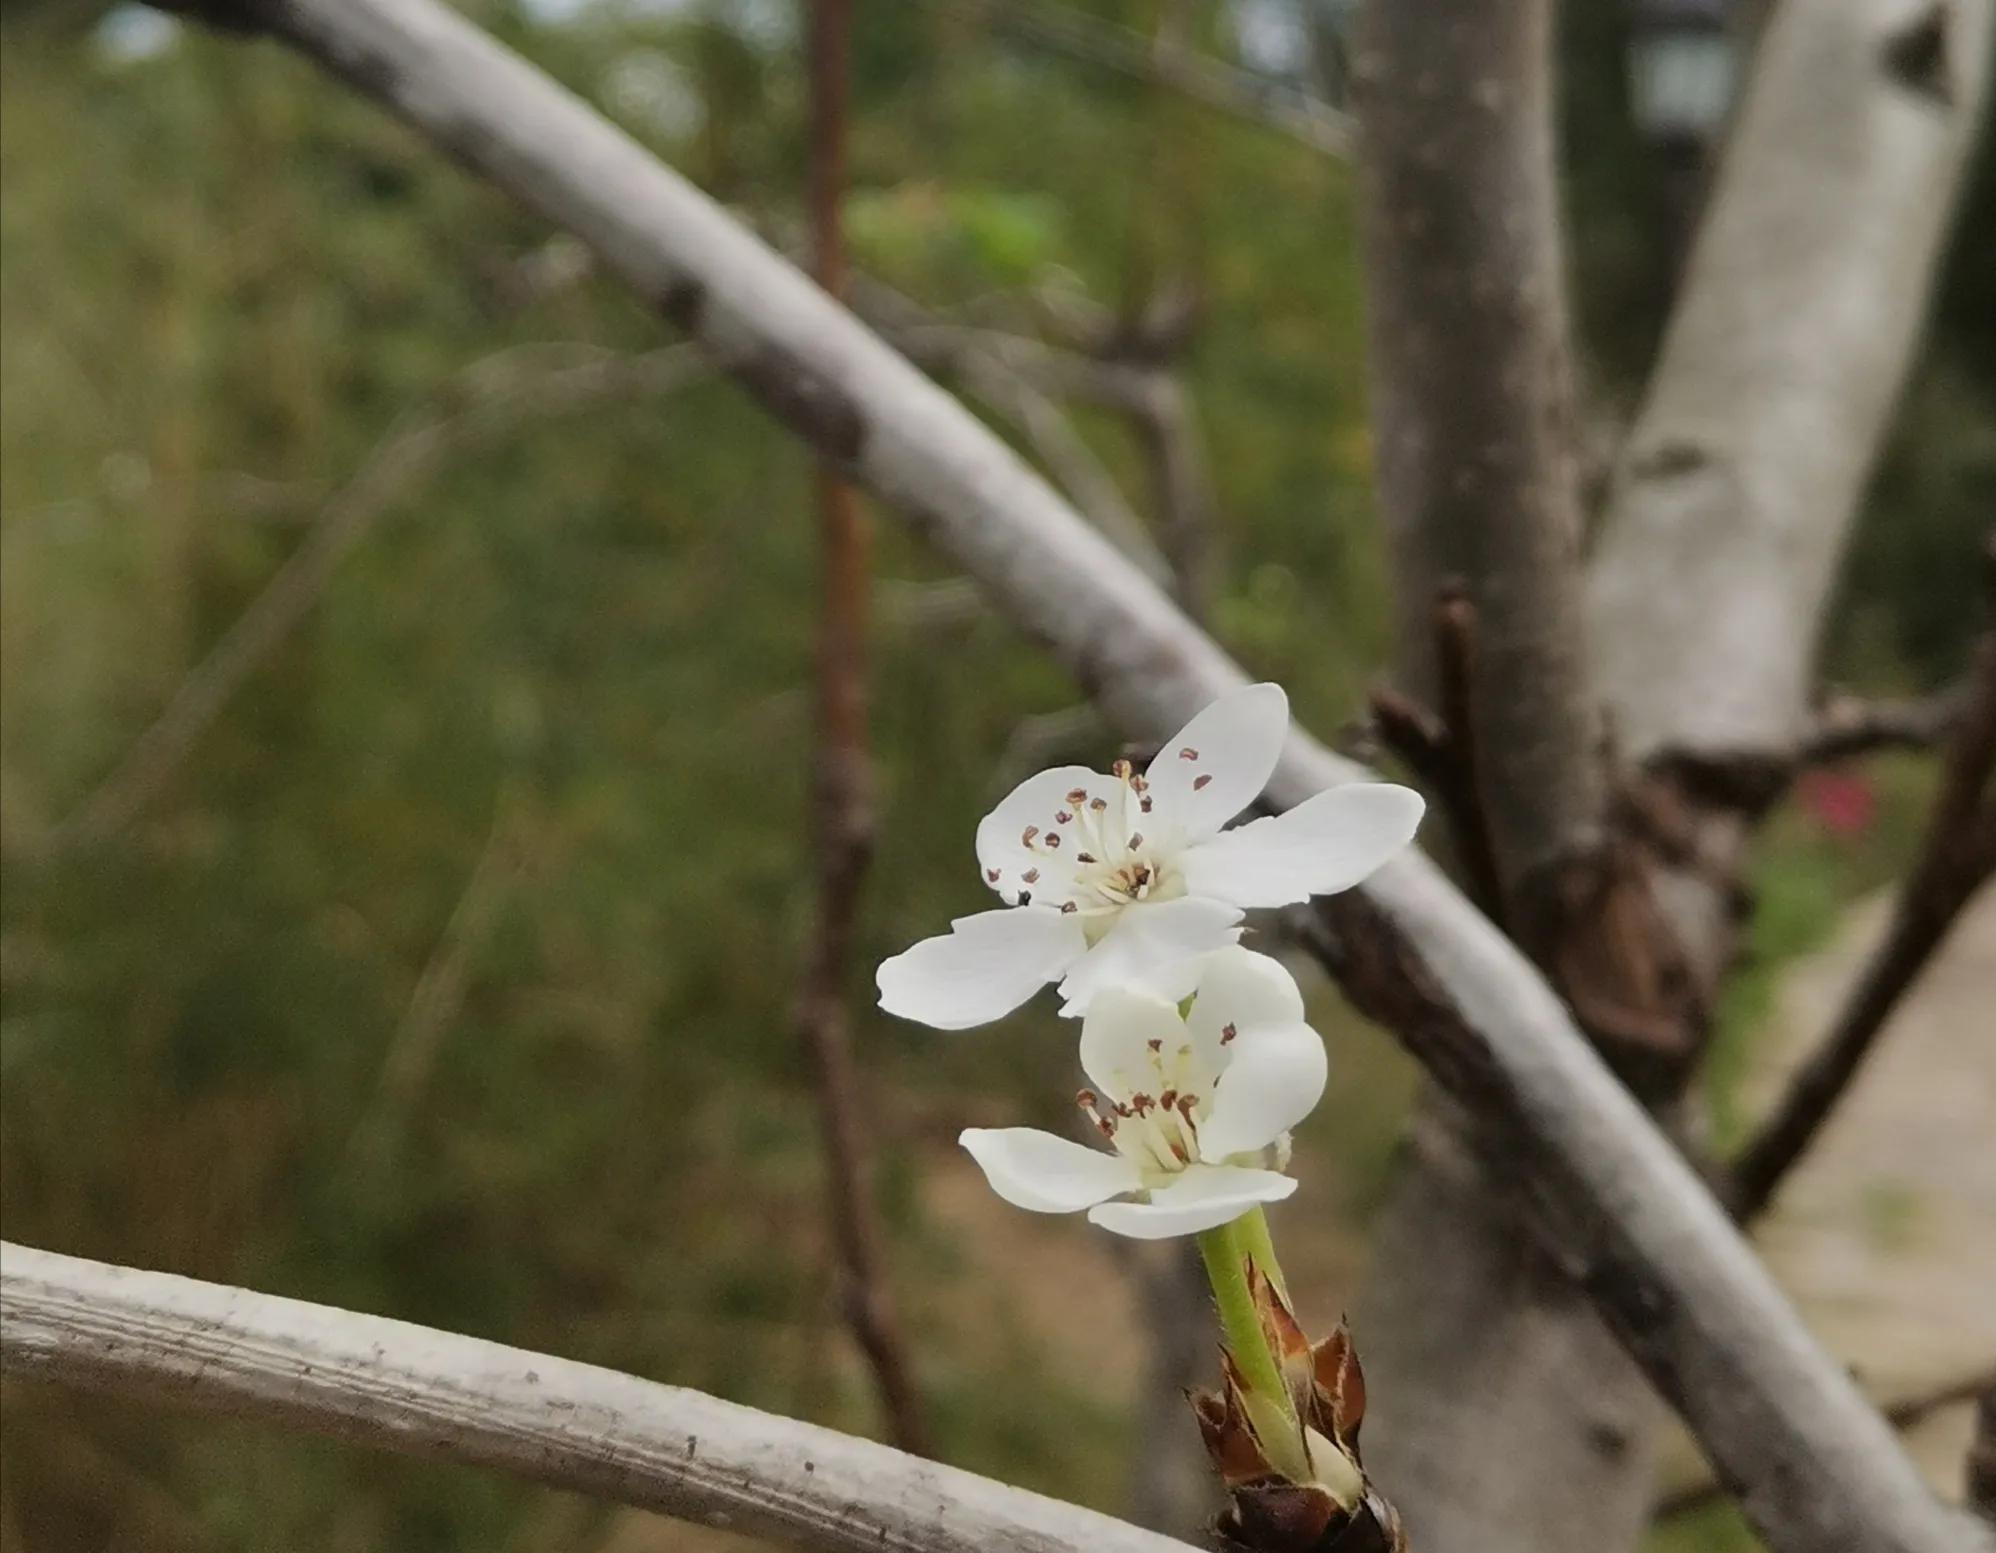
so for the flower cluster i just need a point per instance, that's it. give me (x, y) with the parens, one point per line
(1127, 891)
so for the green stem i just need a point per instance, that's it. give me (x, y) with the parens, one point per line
(1226, 1252)
(1252, 1229)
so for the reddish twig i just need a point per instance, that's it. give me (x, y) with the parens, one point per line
(1956, 856)
(844, 803)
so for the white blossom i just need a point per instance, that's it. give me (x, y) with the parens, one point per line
(1195, 1108)
(1124, 879)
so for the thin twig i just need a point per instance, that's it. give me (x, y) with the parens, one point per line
(1066, 29)
(1848, 726)
(1455, 676)
(392, 1386)
(502, 391)
(844, 806)
(439, 992)
(1981, 1471)
(1909, 1412)
(1956, 856)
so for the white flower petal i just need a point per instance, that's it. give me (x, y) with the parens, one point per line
(1274, 1080)
(1116, 1037)
(1202, 1198)
(1153, 945)
(1035, 805)
(1220, 761)
(983, 968)
(1243, 989)
(1325, 844)
(1047, 1174)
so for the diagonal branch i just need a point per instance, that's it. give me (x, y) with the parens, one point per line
(393, 1386)
(1956, 857)
(1816, 1468)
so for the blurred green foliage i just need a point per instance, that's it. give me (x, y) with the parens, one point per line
(450, 976)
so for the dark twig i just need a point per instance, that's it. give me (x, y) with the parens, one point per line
(1752, 781)
(1847, 727)
(1956, 855)
(1440, 750)
(1455, 673)
(1982, 1455)
(1909, 1412)
(844, 802)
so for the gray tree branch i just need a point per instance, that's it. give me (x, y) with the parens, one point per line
(1815, 1467)
(389, 1385)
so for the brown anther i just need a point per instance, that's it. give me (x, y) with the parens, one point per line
(1121, 770)
(1200, 781)
(1142, 876)
(1145, 805)
(1067, 908)
(1169, 1099)
(1053, 839)
(1136, 840)
(1026, 836)
(1098, 804)
(1188, 753)
(1139, 1104)
(1077, 795)
(1227, 1033)
(991, 875)
(1031, 876)
(1062, 818)
(1185, 1105)
(1083, 857)
(1140, 783)
(1155, 1044)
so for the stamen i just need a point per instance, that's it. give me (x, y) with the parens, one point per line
(1227, 1033)
(1077, 795)
(1084, 857)
(1140, 783)
(1200, 781)
(1098, 804)
(1188, 753)
(1067, 908)
(1144, 804)
(1169, 1100)
(1053, 838)
(991, 875)
(1121, 770)
(1155, 1044)
(1140, 1103)
(1136, 840)
(1062, 818)
(1026, 836)
(1031, 875)
(1025, 897)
